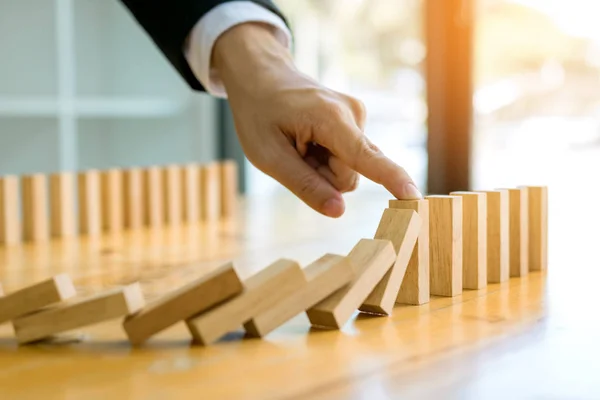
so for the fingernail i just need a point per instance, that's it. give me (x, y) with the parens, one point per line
(334, 207)
(411, 192)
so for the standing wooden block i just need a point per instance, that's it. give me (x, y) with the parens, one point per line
(172, 195)
(90, 210)
(35, 208)
(415, 286)
(538, 227)
(229, 188)
(32, 298)
(518, 222)
(77, 314)
(153, 197)
(62, 205)
(371, 259)
(263, 290)
(209, 192)
(112, 200)
(445, 251)
(191, 193)
(326, 275)
(474, 239)
(183, 303)
(10, 226)
(133, 198)
(402, 228)
(497, 236)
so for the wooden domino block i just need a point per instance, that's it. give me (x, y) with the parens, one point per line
(79, 313)
(35, 208)
(538, 227)
(264, 290)
(90, 210)
(191, 193)
(209, 192)
(183, 303)
(474, 239)
(112, 200)
(445, 251)
(173, 190)
(153, 197)
(34, 297)
(62, 205)
(415, 286)
(10, 226)
(371, 259)
(325, 275)
(497, 236)
(518, 222)
(229, 187)
(402, 228)
(133, 198)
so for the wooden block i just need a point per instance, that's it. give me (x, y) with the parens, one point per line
(191, 193)
(370, 260)
(415, 286)
(209, 192)
(402, 228)
(325, 275)
(112, 200)
(90, 210)
(445, 251)
(518, 222)
(183, 303)
(172, 194)
(34, 297)
(497, 236)
(153, 197)
(35, 208)
(229, 187)
(133, 198)
(538, 227)
(79, 313)
(62, 205)
(262, 291)
(474, 239)
(10, 225)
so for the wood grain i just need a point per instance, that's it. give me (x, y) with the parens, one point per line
(497, 237)
(90, 203)
(10, 224)
(518, 222)
(210, 191)
(173, 194)
(154, 205)
(191, 193)
(62, 205)
(538, 227)
(112, 200)
(35, 208)
(133, 198)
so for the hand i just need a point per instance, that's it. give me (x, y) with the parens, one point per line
(307, 137)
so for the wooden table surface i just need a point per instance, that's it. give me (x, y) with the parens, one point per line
(535, 337)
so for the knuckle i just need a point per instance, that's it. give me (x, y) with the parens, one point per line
(351, 183)
(308, 184)
(359, 109)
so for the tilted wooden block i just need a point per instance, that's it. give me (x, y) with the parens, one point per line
(402, 228)
(518, 222)
(90, 210)
(191, 193)
(474, 239)
(538, 227)
(229, 187)
(35, 208)
(262, 291)
(173, 190)
(62, 205)
(79, 313)
(10, 225)
(209, 192)
(415, 285)
(370, 260)
(34, 297)
(497, 236)
(445, 246)
(153, 197)
(133, 198)
(112, 200)
(325, 275)
(183, 303)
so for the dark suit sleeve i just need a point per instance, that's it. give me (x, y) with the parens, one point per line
(168, 22)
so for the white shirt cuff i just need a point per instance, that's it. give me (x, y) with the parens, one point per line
(214, 23)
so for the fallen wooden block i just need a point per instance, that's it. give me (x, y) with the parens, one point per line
(62, 205)
(79, 313)
(35, 297)
(415, 285)
(209, 192)
(229, 187)
(518, 222)
(474, 239)
(10, 225)
(402, 228)
(183, 303)
(90, 209)
(191, 193)
(112, 200)
(35, 208)
(262, 291)
(370, 260)
(173, 199)
(325, 275)
(538, 227)
(445, 251)
(133, 198)
(153, 197)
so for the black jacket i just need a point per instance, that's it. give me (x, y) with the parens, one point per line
(168, 22)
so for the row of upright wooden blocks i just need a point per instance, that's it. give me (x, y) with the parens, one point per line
(92, 202)
(435, 246)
